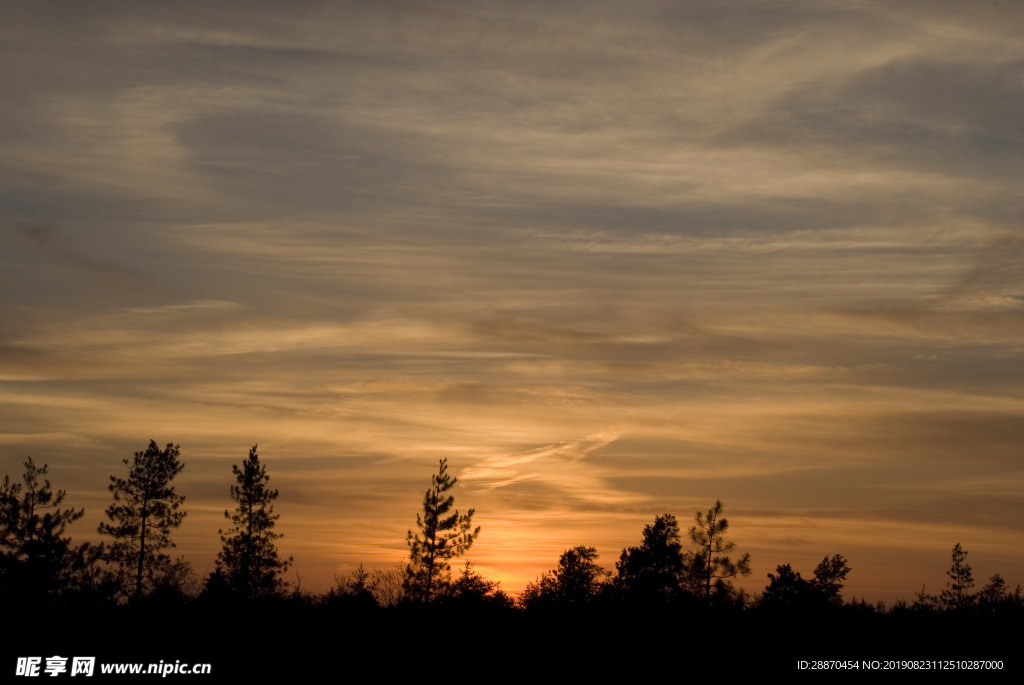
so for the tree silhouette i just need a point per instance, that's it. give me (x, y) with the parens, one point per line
(711, 562)
(786, 588)
(957, 592)
(144, 511)
(577, 580)
(829, 576)
(996, 596)
(442, 536)
(924, 602)
(388, 585)
(657, 569)
(354, 592)
(177, 584)
(995, 590)
(248, 560)
(473, 590)
(36, 559)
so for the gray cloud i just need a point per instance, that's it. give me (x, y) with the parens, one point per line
(949, 117)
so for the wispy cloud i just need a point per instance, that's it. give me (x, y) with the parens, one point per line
(560, 466)
(730, 243)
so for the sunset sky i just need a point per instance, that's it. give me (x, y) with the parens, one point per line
(610, 259)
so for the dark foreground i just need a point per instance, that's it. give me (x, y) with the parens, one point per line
(310, 644)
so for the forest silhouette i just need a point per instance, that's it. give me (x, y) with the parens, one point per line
(674, 591)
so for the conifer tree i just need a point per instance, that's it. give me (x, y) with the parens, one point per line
(957, 592)
(442, 536)
(711, 563)
(577, 580)
(471, 588)
(789, 589)
(249, 560)
(657, 569)
(144, 511)
(36, 559)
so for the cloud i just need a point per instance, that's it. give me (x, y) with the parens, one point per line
(560, 467)
(946, 116)
(995, 283)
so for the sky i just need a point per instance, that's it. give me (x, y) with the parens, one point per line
(610, 260)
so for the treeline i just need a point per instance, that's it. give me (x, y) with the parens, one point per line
(40, 567)
(667, 572)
